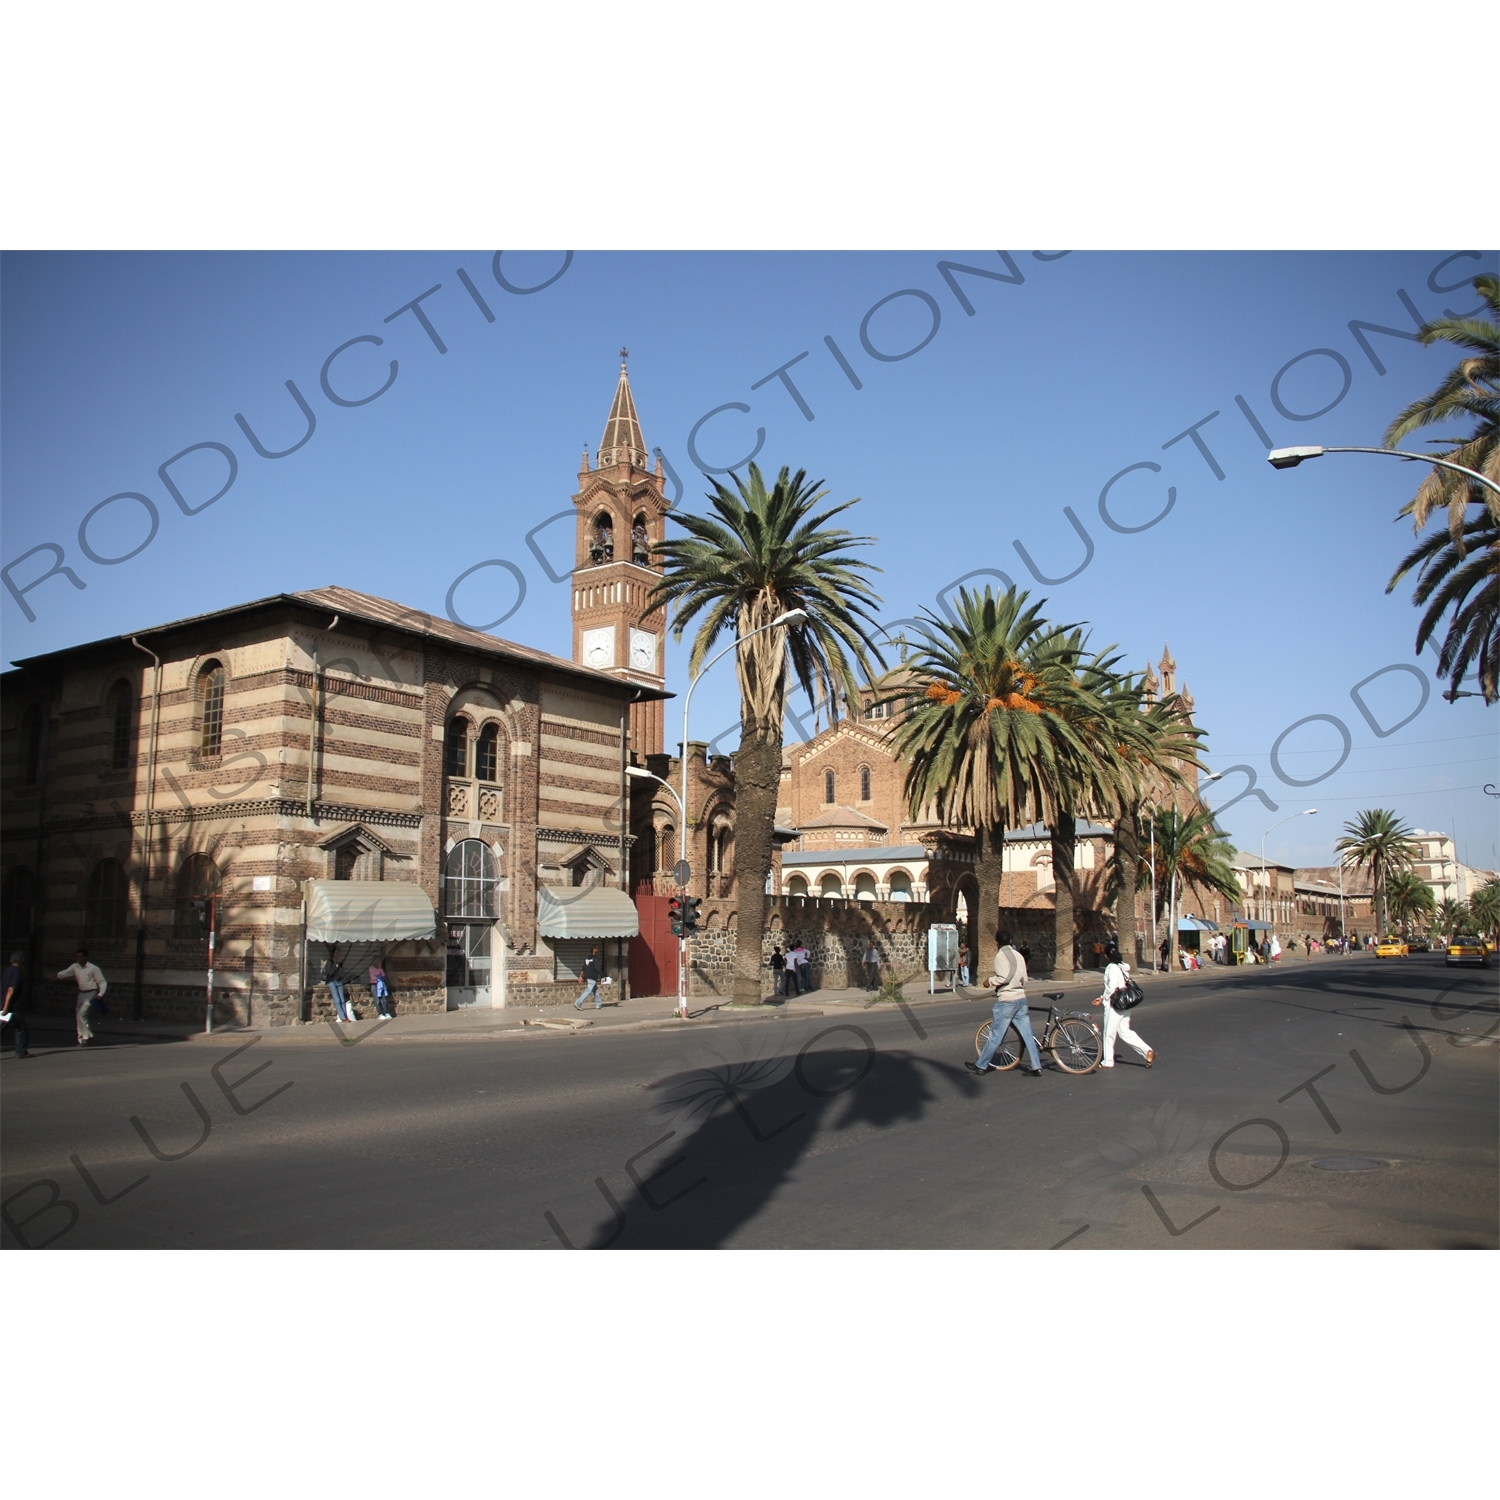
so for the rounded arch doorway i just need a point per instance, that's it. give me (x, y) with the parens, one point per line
(470, 897)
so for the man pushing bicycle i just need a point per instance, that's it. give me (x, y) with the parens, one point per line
(1009, 984)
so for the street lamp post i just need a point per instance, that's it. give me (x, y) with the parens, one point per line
(682, 800)
(1289, 458)
(1307, 812)
(642, 773)
(687, 702)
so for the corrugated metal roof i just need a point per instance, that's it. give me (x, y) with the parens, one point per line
(353, 605)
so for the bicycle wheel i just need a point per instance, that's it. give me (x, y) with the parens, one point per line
(1010, 1050)
(1076, 1046)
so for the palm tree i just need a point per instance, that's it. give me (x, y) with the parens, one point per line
(761, 554)
(1376, 839)
(1189, 848)
(1484, 908)
(998, 739)
(1408, 896)
(1451, 916)
(1462, 574)
(1470, 391)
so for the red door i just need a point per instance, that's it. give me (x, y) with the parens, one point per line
(653, 955)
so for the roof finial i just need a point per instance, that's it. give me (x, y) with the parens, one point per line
(624, 355)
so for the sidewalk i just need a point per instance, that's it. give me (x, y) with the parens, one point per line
(645, 1013)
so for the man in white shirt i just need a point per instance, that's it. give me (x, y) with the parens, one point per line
(1117, 1025)
(92, 985)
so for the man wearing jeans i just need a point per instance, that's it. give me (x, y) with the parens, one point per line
(593, 972)
(1009, 980)
(91, 986)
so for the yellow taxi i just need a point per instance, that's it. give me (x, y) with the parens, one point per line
(1392, 947)
(1464, 948)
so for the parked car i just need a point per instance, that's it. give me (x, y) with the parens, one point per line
(1464, 948)
(1391, 947)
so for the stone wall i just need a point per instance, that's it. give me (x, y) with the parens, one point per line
(835, 932)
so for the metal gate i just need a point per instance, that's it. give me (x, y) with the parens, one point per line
(653, 955)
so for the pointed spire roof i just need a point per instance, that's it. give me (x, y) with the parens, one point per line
(622, 440)
(1149, 684)
(1168, 670)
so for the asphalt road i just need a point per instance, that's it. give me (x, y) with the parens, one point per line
(845, 1131)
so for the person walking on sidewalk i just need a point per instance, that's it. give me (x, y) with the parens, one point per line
(963, 965)
(593, 972)
(872, 965)
(92, 986)
(1117, 1025)
(1009, 984)
(13, 1002)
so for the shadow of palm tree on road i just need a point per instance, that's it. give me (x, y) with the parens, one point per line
(731, 1134)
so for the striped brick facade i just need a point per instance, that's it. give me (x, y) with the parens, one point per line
(324, 768)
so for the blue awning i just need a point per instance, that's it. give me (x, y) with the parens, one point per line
(1195, 924)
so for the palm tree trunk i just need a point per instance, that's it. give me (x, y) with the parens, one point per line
(1063, 836)
(989, 871)
(757, 778)
(1128, 864)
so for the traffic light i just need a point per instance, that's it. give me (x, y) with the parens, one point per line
(690, 905)
(200, 905)
(674, 905)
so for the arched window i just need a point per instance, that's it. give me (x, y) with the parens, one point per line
(121, 725)
(456, 748)
(31, 746)
(828, 786)
(640, 542)
(16, 907)
(864, 783)
(602, 543)
(469, 880)
(831, 885)
(900, 886)
(198, 877)
(108, 907)
(797, 886)
(211, 697)
(487, 754)
(345, 858)
(864, 887)
(666, 843)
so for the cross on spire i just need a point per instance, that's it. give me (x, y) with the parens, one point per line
(624, 354)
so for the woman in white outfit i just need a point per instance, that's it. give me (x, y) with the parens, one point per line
(1117, 1025)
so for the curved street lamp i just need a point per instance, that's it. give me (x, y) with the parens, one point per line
(682, 800)
(1307, 812)
(1289, 458)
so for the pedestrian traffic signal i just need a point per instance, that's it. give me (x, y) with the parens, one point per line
(690, 905)
(200, 905)
(674, 905)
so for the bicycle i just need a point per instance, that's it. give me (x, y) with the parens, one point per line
(1074, 1041)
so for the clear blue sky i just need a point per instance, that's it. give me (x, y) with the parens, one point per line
(1268, 586)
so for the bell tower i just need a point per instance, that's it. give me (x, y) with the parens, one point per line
(621, 507)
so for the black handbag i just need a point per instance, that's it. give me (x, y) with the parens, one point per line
(1128, 998)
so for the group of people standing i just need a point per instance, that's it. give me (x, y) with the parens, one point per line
(338, 988)
(790, 972)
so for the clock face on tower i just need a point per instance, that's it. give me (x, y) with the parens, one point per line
(599, 648)
(642, 651)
